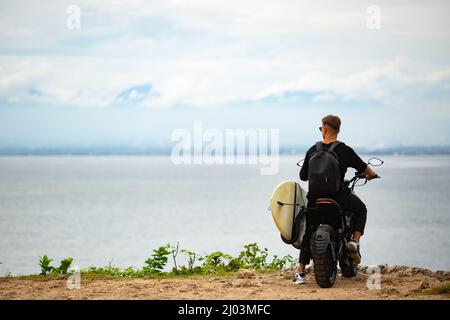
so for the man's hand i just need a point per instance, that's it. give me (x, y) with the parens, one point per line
(369, 173)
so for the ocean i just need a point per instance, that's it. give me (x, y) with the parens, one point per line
(117, 209)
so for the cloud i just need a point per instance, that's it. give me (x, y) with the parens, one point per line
(393, 83)
(218, 53)
(94, 82)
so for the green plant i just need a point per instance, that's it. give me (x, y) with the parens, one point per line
(158, 259)
(191, 258)
(216, 261)
(109, 270)
(44, 263)
(235, 264)
(253, 257)
(46, 268)
(64, 266)
(280, 263)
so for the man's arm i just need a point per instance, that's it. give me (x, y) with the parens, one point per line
(369, 173)
(304, 169)
(357, 163)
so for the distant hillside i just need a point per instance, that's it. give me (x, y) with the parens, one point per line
(125, 150)
(394, 150)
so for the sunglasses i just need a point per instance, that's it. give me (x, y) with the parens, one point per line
(320, 128)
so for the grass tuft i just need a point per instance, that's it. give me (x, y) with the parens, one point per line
(443, 289)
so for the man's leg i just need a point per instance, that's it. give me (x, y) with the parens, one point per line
(300, 276)
(304, 259)
(305, 251)
(301, 267)
(355, 205)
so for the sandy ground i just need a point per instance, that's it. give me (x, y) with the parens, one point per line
(396, 283)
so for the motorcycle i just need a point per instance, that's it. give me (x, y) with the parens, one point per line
(331, 229)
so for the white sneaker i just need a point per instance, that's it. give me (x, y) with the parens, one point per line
(299, 278)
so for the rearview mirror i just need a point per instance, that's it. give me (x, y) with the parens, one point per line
(375, 162)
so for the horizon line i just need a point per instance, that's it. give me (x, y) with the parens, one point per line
(163, 151)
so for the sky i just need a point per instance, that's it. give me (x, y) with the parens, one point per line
(132, 72)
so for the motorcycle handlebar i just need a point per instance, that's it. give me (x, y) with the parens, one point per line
(358, 176)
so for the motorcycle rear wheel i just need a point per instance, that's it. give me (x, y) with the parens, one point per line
(325, 269)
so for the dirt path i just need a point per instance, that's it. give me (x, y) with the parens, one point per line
(396, 283)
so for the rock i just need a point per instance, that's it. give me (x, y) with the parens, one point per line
(383, 268)
(397, 269)
(427, 282)
(422, 271)
(407, 272)
(424, 284)
(246, 274)
(362, 268)
(442, 275)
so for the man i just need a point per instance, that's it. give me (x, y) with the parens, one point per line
(350, 202)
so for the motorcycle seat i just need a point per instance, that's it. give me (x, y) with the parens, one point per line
(328, 202)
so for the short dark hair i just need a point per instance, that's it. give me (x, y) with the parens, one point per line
(333, 121)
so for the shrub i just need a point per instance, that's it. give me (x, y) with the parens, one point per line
(216, 261)
(280, 263)
(44, 263)
(253, 257)
(46, 268)
(158, 259)
(64, 266)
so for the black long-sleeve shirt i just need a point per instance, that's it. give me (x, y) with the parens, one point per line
(347, 159)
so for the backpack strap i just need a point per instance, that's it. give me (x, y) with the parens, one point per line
(334, 145)
(319, 146)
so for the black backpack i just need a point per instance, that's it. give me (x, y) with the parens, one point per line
(323, 171)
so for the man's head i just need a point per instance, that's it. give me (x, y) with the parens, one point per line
(330, 126)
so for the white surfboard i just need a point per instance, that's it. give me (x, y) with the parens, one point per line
(287, 199)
